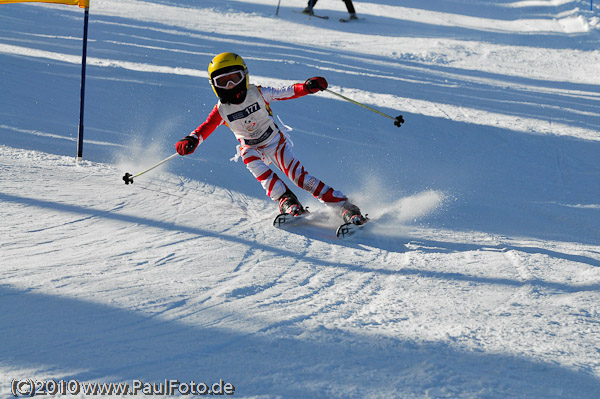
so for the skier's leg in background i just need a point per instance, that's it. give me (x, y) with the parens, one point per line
(350, 7)
(309, 7)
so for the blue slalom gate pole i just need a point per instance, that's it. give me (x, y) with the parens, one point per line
(82, 98)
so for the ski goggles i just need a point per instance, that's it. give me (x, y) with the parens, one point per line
(228, 80)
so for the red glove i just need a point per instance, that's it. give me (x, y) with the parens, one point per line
(187, 145)
(315, 84)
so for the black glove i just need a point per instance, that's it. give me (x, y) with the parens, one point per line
(313, 85)
(187, 145)
(399, 120)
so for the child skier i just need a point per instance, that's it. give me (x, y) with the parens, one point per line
(245, 109)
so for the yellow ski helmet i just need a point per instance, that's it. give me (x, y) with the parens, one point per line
(232, 68)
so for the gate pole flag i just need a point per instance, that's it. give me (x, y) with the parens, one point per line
(83, 4)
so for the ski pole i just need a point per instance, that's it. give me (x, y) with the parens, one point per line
(277, 11)
(128, 178)
(398, 121)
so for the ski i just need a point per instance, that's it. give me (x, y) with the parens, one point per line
(313, 15)
(352, 19)
(284, 219)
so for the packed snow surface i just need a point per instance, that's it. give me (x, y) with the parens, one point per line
(479, 276)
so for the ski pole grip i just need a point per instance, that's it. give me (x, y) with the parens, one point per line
(399, 120)
(128, 178)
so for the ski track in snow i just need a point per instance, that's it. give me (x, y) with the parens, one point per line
(491, 294)
(478, 277)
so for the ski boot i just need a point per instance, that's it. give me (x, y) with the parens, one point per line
(288, 203)
(351, 214)
(308, 10)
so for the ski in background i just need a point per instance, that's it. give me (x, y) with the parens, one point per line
(350, 19)
(312, 14)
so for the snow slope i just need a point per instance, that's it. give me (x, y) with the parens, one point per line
(479, 279)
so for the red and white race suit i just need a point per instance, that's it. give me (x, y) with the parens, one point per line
(262, 143)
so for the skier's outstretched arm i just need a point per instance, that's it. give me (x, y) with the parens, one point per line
(189, 143)
(312, 85)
